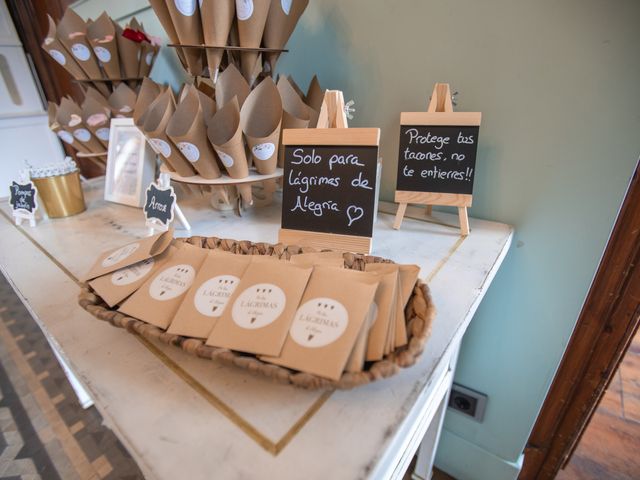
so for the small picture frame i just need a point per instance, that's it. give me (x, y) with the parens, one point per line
(131, 164)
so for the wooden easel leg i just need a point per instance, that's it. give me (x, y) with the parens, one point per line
(464, 221)
(402, 208)
(428, 210)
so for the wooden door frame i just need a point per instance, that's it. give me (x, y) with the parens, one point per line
(605, 327)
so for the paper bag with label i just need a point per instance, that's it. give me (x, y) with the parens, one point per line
(231, 84)
(252, 16)
(96, 117)
(386, 301)
(160, 296)
(69, 115)
(261, 116)
(217, 17)
(328, 321)
(314, 98)
(408, 276)
(357, 357)
(127, 255)
(295, 113)
(122, 101)
(114, 287)
(162, 12)
(156, 120)
(187, 131)
(102, 36)
(225, 135)
(149, 91)
(54, 47)
(282, 20)
(186, 21)
(327, 259)
(207, 299)
(260, 311)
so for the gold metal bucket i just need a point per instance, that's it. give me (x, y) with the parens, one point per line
(61, 195)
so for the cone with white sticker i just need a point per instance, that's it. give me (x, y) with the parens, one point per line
(96, 117)
(185, 17)
(122, 101)
(102, 37)
(252, 17)
(225, 135)
(54, 47)
(217, 17)
(282, 20)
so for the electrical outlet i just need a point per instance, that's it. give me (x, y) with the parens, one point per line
(468, 402)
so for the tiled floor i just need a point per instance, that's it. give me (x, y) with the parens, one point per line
(44, 432)
(609, 447)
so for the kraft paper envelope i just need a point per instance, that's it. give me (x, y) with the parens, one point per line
(261, 116)
(327, 259)
(295, 113)
(328, 321)
(97, 118)
(122, 101)
(59, 53)
(158, 299)
(282, 20)
(131, 253)
(162, 12)
(252, 16)
(231, 84)
(408, 276)
(188, 132)
(114, 287)
(315, 97)
(186, 20)
(149, 91)
(154, 128)
(69, 115)
(355, 362)
(217, 17)
(207, 299)
(261, 308)
(386, 303)
(225, 135)
(102, 36)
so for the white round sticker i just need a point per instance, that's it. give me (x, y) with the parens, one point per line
(286, 6)
(103, 54)
(65, 136)
(82, 134)
(213, 295)
(225, 158)
(120, 254)
(319, 322)
(58, 56)
(190, 151)
(161, 146)
(264, 151)
(172, 282)
(80, 51)
(148, 58)
(186, 7)
(133, 273)
(258, 306)
(244, 9)
(103, 133)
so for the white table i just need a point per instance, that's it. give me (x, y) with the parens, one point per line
(184, 417)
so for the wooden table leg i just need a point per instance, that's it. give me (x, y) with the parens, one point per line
(402, 208)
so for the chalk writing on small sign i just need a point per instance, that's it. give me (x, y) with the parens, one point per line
(23, 197)
(330, 189)
(440, 159)
(159, 205)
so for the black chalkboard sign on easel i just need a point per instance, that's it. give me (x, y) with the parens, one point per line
(23, 200)
(437, 157)
(330, 182)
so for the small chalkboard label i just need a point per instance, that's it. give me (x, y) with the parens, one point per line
(23, 198)
(330, 187)
(439, 159)
(159, 206)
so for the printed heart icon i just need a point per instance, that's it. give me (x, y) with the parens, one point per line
(354, 213)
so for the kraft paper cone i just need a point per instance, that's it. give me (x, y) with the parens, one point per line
(59, 53)
(186, 20)
(65, 135)
(225, 134)
(282, 21)
(97, 96)
(148, 54)
(207, 104)
(102, 36)
(252, 16)
(295, 113)
(129, 51)
(156, 120)
(261, 116)
(295, 86)
(72, 32)
(205, 85)
(149, 91)
(315, 97)
(162, 12)
(231, 84)
(188, 132)
(96, 117)
(217, 17)
(69, 116)
(122, 101)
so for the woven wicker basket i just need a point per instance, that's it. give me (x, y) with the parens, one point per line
(419, 314)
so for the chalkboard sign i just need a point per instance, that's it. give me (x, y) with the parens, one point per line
(23, 197)
(330, 187)
(439, 159)
(159, 206)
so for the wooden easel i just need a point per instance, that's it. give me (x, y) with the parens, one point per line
(440, 103)
(332, 112)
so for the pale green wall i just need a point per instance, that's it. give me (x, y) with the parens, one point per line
(557, 83)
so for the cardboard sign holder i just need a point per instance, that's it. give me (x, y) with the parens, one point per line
(163, 183)
(439, 112)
